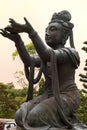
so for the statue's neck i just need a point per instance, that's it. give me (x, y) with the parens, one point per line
(58, 46)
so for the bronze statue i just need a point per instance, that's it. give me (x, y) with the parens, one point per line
(57, 106)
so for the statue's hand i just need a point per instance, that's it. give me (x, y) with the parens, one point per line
(12, 36)
(15, 27)
(19, 28)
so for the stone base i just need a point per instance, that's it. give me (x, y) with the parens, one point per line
(43, 128)
(77, 126)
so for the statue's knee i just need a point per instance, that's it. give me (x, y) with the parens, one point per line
(34, 116)
(18, 117)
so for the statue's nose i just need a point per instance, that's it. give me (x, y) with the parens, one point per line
(47, 33)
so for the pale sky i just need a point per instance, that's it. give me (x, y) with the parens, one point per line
(39, 13)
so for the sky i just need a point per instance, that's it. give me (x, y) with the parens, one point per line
(39, 13)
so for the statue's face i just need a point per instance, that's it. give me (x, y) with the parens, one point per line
(53, 34)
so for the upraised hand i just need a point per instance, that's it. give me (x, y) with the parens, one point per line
(12, 36)
(15, 27)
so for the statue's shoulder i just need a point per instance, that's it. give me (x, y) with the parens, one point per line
(74, 52)
(74, 56)
(70, 50)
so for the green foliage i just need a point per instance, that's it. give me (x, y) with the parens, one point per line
(10, 99)
(20, 77)
(30, 48)
(14, 54)
(83, 77)
(41, 88)
(82, 111)
(85, 48)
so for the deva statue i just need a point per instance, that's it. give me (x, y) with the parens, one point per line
(56, 107)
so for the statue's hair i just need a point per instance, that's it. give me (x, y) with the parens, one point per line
(64, 18)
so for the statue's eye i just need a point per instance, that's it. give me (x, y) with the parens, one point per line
(53, 28)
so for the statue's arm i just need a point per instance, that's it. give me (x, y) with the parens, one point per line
(41, 48)
(24, 55)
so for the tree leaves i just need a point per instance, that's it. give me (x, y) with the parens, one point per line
(10, 99)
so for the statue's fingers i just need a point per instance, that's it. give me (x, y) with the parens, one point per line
(12, 21)
(9, 28)
(1, 30)
(6, 28)
(4, 33)
(27, 22)
(1, 33)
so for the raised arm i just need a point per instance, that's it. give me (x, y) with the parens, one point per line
(24, 55)
(41, 48)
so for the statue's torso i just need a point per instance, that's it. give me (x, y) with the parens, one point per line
(66, 73)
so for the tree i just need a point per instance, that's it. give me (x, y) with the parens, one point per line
(21, 81)
(82, 112)
(83, 77)
(10, 99)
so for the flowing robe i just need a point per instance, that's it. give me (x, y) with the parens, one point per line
(60, 91)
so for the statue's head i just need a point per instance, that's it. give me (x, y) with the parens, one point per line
(59, 29)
